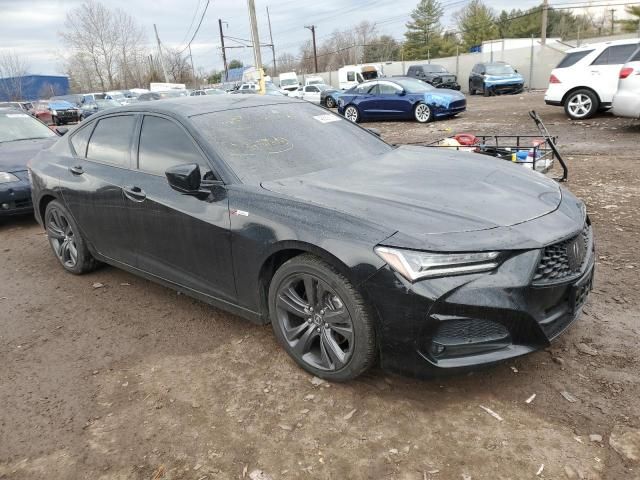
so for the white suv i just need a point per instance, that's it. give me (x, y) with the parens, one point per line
(586, 79)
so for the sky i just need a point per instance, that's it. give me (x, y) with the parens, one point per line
(30, 27)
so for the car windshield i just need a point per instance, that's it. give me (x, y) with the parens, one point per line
(412, 85)
(269, 142)
(500, 70)
(288, 81)
(435, 69)
(20, 126)
(107, 103)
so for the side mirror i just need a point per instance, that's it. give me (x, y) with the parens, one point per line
(402, 92)
(184, 178)
(61, 130)
(515, 70)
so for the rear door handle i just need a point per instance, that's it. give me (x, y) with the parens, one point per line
(76, 170)
(134, 193)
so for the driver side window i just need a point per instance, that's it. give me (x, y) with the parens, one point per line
(164, 144)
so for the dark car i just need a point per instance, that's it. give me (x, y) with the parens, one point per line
(495, 78)
(353, 249)
(435, 75)
(329, 97)
(76, 99)
(21, 137)
(399, 98)
(56, 112)
(89, 108)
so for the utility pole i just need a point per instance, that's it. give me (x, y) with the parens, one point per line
(543, 28)
(224, 55)
(273, 49)
(613, 12)
(193, 70)
(255, 39)
(315, 52)
(164, 70)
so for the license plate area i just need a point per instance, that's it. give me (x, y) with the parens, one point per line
(580, 292)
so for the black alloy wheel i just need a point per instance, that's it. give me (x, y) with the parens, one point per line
(66, 241)
(321, 320)
(330, 102)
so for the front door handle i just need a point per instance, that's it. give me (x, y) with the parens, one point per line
(134, 193)
(76, 170)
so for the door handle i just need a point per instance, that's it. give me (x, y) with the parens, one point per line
(76, 170)
(134, 193)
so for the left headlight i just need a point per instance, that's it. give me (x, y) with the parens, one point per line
(54, 112)
(414, 265)
(6, 177)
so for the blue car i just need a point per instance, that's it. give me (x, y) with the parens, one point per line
(399, 98)
(494, 79)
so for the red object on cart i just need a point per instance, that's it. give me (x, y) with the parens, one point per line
(467, 139)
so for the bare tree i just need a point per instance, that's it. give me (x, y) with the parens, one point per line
(177, 65)
(110, 42)
(12, 70)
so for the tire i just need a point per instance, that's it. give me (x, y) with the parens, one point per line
(352, 113)
(422, 113)
(472, 91)
(55, 120)
(581, 104)
(330, 335)
(330, 102)
(485, 91)
(65, 239)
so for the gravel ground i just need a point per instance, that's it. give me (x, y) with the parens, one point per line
(133, 381)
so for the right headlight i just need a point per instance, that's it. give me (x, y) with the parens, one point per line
(6, 177)
(413, 265)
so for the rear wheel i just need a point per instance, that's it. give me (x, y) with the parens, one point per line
(66, 241)
(581, 104)
(330, 102)
(321, 320)
(351, 113)
(422, 113)
(485, 90)
(472, 91)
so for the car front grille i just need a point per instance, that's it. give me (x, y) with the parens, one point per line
(458, 104)
(564, 260)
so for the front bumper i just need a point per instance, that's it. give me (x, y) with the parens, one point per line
(452, 324)
(501, 88)
(450, 86)
(15, 197)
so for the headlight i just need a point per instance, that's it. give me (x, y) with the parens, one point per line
(6, 177)
(53, 112)
(414, 265)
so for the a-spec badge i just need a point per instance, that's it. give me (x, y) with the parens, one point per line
(240, 213)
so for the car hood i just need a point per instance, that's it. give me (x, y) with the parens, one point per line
(421, 190)
(15, 155)
(443, 97)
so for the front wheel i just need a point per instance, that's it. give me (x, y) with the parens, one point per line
(330, 102)
(422, 113)
(321, 320)
(472, 91)
(581, 104)
(66, 241)
(351, 113)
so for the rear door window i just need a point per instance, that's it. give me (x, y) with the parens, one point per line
(635, 57)
(573, 58)
(615, 55)
(164, 144)
(111, 140)
(80, 140)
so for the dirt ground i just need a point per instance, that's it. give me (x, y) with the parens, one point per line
(133, 381)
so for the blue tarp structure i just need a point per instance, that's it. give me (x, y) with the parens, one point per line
(33, 87)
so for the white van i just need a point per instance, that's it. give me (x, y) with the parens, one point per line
(352, 75)
(586, 79)
(289, 81)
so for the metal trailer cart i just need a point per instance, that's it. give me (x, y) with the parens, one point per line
(537, 152)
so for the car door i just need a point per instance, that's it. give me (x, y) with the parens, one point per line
(604, 70)
(183, 239)
(92, 182)
(388, 101)
(366, 99)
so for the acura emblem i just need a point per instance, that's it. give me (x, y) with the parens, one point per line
(575, 253)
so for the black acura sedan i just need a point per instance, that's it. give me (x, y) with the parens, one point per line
(355, 250)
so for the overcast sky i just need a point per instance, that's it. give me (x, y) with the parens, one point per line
(30, 27)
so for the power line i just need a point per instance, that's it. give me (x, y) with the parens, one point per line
(197, 28)
(193, 18)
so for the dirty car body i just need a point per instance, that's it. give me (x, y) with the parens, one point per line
(460, 259)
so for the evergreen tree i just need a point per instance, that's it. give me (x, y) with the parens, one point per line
(424, 31)
(476, 23)
(633, 24)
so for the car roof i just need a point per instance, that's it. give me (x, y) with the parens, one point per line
(592, 46)
(192, 106)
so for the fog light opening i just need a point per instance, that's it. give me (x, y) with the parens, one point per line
(437, 348)
(5, 206)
